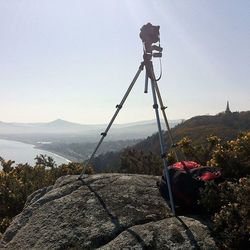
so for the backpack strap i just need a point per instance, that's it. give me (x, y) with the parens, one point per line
(185, 167)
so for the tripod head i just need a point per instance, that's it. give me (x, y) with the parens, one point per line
(150, 35)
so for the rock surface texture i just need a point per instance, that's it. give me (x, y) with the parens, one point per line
(104, 211)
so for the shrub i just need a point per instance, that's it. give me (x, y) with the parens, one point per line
(233, 157)
(200, 153)
(227, 202)
(231, 223)
(17, 183)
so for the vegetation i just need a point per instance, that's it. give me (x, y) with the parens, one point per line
(108, 162)
(139, 162)
(17, 183)
(228, 202)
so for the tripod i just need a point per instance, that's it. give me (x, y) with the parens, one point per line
(147, 63)
(149, 35)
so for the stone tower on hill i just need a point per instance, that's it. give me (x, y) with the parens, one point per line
(228, 111)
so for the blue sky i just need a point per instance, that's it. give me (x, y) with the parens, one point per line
(74, 59)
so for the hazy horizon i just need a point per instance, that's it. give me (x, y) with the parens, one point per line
(74, 60)
(59, 119)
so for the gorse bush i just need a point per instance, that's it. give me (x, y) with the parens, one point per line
(200, 153)
(17, 183)
(233, 157)
(232, 222)
(227, 202)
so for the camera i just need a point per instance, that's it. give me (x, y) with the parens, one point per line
(150, 34)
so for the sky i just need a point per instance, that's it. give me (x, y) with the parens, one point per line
(74, 59)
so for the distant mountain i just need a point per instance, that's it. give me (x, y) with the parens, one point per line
(146, 122)
(62, 123)
(56, 126)
(61, 130)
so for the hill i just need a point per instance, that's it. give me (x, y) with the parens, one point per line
(224, 125)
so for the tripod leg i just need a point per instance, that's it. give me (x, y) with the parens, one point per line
(146, 83)
(165, 118)
(155, 106)
(118, 108)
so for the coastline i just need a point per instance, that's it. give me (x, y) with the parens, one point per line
(35, 146)
(56, 153)
(53, 153)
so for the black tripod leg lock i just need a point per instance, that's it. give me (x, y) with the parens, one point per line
(104, 134)
(142, 65)
(164, 155)
(118, 106)
(164, 107)
(155, 106)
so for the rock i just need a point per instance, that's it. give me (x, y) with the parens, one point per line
(105, 211)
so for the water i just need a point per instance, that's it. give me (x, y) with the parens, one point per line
(25, 153)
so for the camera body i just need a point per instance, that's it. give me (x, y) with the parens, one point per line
(150, 34)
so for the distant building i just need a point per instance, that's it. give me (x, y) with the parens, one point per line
(228, 111)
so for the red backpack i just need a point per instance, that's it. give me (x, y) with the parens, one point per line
(187, 177)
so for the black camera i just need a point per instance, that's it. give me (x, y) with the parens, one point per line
(150, 34)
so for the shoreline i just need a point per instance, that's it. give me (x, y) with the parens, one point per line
(53, 153)
(35, 146)
(58, 154)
